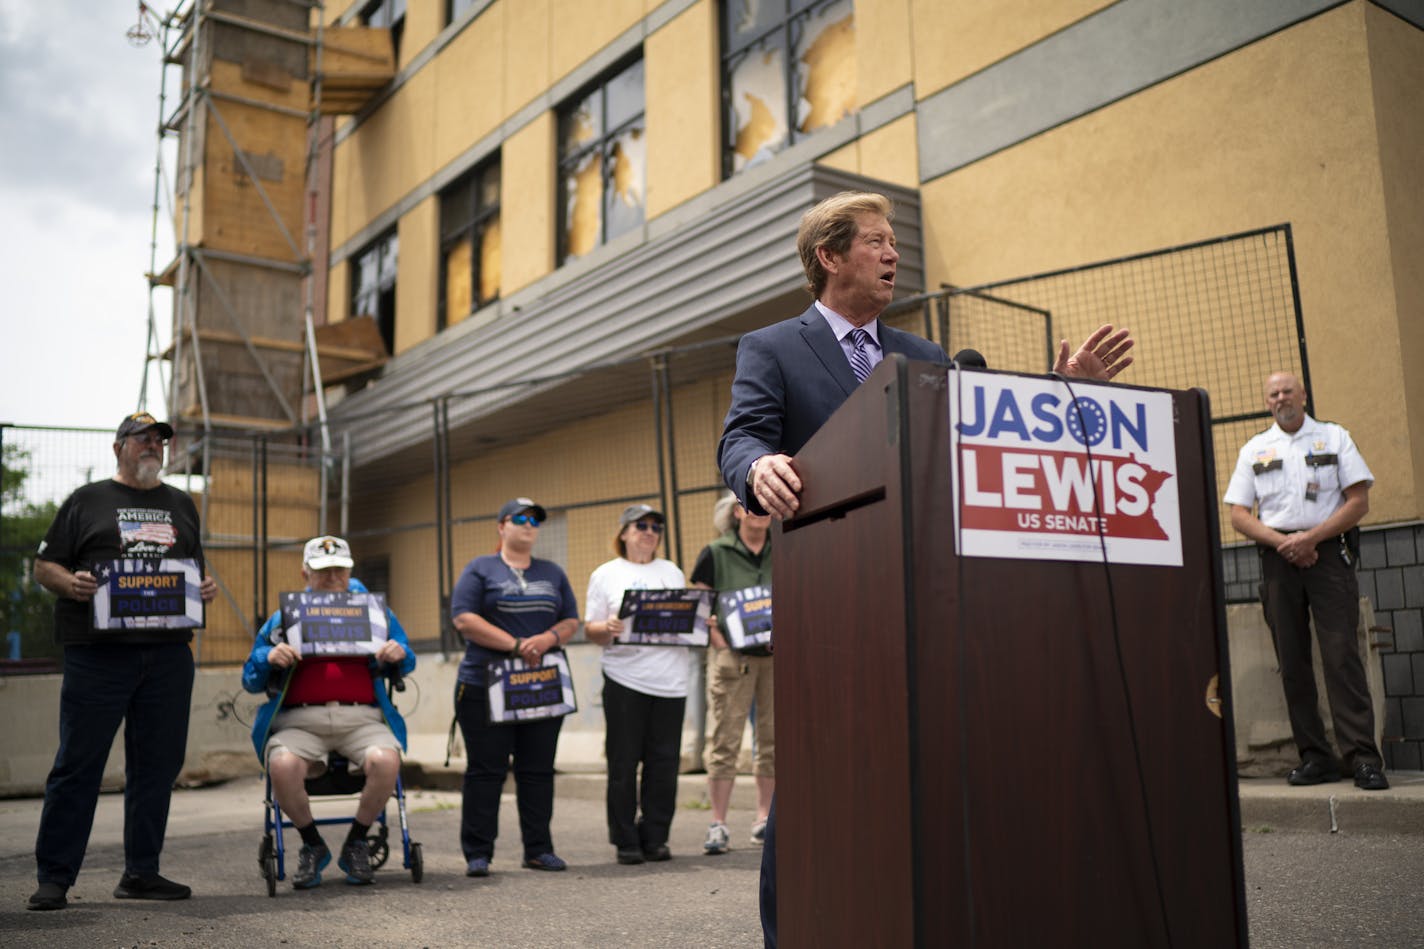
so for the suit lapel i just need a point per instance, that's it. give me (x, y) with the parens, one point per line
(817, 334)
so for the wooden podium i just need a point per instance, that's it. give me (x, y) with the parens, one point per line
(963, 758)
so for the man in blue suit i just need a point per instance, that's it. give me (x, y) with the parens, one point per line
(792, 376)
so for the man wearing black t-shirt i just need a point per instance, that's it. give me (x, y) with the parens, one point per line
(140, 673)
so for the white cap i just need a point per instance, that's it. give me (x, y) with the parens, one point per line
(328, 551)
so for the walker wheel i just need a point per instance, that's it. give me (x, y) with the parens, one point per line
(417, 864)
(380, 850)
(267, 860)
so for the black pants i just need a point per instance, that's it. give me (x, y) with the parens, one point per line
(488, 750)
(1330, 591)
(149, 689)
(646, 729)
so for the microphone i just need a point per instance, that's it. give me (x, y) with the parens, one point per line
(970, 359)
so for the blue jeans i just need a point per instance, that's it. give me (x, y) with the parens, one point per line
(150, 689)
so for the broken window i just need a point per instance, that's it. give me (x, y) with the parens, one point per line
(602, 162)
(373, 285)
(389, 14)
(469, 243)
(788, 69)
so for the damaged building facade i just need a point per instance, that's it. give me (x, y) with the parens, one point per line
(560, 214)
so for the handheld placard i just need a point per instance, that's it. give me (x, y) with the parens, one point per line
(665, 617)
(745, 616)
(334, 624)
(519, 692)
(148, 594)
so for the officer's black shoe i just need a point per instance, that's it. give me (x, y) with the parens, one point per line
(1371, 778)
(1312, 771)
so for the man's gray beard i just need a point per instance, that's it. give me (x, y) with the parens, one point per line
(147, 471)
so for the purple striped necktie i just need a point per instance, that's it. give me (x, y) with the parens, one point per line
(859, 358)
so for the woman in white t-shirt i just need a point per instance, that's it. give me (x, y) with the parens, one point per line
(644, 691)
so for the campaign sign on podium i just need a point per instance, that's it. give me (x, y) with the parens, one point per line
(665, 617)
(148, 594)
(334, 624)
(745, 616)
(519, 692)
(1048, 471)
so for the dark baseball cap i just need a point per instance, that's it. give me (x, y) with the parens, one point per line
(141, 422)
(512, 508)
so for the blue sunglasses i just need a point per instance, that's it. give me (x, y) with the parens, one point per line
(525, 520)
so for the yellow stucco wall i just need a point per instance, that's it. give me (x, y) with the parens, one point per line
(527, 203)
(889, 153)
(1282, 130)
(580, 29)
(682, 95)
(470, 78)
(417, 282)
(424, 19)
(884, 47)
(338, 292)
(1396, 53)
(388, 155)
(526, 50)
(955, 40)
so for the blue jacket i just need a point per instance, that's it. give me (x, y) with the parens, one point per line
(258, 675)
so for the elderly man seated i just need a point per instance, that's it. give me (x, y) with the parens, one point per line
(322, 704)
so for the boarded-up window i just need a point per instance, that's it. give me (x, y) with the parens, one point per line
(602, 162)
(469, 243)
(788, 69)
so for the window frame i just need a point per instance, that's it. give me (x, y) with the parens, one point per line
(564, 163)
(786, 31)
(385, 323)
(472, 223)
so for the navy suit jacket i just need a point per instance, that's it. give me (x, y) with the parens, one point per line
(791, 377)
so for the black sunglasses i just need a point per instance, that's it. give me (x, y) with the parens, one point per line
(655, 527)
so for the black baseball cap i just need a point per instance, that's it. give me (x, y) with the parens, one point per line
(141, 422)
(512, 508)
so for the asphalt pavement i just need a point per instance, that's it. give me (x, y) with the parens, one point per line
(1306, 886)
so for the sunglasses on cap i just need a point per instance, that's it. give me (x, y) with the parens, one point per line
(524, 520)
(655, 527)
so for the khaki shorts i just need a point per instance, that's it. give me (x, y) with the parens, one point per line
(314, 731)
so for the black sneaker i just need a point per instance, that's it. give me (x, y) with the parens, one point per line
(48, 896)
(310, 862)
(657, 854)
(152, 887)
(356, 862)
(630, 856)
(1371, 778)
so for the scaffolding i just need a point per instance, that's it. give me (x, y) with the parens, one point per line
(248, 130)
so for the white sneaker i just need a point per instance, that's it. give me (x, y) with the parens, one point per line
(759, 833)
(718, 838)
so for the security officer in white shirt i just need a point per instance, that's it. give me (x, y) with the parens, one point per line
(1310, 488)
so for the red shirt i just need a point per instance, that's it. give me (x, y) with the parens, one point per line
(317, 681)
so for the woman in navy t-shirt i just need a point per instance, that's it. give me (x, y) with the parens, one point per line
(509, 604)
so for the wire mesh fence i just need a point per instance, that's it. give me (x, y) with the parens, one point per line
(419, 506)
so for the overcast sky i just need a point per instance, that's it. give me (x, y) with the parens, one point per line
(78, 141)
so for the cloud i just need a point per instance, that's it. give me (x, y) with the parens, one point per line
(78, 115)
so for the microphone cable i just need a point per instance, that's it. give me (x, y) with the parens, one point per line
(1122, 666)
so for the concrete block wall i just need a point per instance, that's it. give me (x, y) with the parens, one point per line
(1392, 581)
